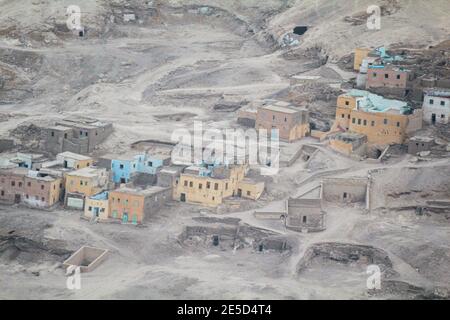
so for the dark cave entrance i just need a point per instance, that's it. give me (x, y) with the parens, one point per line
(300, 30)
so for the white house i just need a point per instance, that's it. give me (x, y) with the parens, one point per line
(436, 106)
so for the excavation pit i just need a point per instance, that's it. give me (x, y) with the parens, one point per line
(87, 258)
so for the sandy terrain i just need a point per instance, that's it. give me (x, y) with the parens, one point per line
(152, 76)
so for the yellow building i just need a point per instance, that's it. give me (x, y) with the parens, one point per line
(84, 183)
(210, 186)
(383, 121)
(97, 206)
(360, 55)
(250, 189)
(74, 160)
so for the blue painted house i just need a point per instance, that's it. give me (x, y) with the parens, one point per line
(123, 169)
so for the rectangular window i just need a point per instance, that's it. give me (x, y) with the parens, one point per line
(121, 166)
(20, 184)
(386, 76)
(42, 187)
(248, 193)
(191, 184)
(200, 186)
(29, 184)
(185, 183)
(347, 103)
(442, 103)
(385, 121)
(374, 74)
(2, 193)
(398, 124)
(365, 122)
(342, 116)
(226, 186)
(398, 77)
(373, 123)
(208, 185)
(216, 186)
(53, 133)
(431, 101)
(13, 183)
(359, 121)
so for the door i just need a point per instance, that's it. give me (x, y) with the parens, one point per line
(17, 198)
(433, 118)
(122, 180)
(239, 193)
(125, 217)
(96, 212)
(183, 197)
(65, 164)
(135, 220)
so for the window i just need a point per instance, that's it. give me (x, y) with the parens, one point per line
(347, 103)
(442, 103)
(53, 133)
(342, 116)
(372, 123)
(13, 183)
(81, 133)
(81, 182)
(200, 186)
(273, 117)
(398, 77)
(442, 116)
(431, 101)
(90, 209)
(374, 74)
(121, 166)
(27, 196)
(208, 185)
(86, 134)
(359, 121)
(43, 199)
(386, 76)
(365, 122)
(42, 187)
(285, 119)
(88, 164)
(304, 219)
(185, 183)
(353, 120)
(150, 164)
(216, 186)
(226, 186)
(2, 193)
(191, 184)
(348, 116)
(249, 193)
(385, 121)
(65, 135)
(20, 184)
(398, 124)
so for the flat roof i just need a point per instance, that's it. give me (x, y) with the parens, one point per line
(375, 103)
(86, 172)
(74, 156)
(280, 108)
(144, 192)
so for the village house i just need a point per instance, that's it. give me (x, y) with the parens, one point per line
(383, 121)
(79, 135)
(389, 79)
(349, 143)
(135, 205)
(209, 185)
(292, 123)
(84, 183)
(97, 206)
(124, 168)
(420, 144)
(20, 185)
(436, 106)
(305, 215)
(29, 161)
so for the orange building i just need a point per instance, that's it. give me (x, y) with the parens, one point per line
(134, 205)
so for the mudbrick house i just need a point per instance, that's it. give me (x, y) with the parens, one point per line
(389, 79)
(383, 121)
(292, 123)
(79, 135)
(20, 185)
(305, 215)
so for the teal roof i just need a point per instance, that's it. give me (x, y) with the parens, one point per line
(374, 103)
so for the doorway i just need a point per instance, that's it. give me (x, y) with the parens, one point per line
(123, 180)
(17, 198)
(125, 217)
(239, 193)
(183, 197)
(433, 118)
